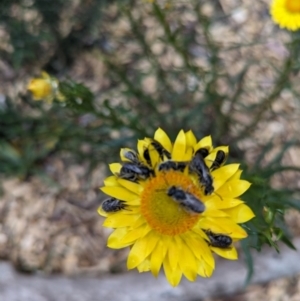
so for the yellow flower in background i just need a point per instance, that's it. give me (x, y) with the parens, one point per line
(286, 13)
(174, 205)
(45, 88)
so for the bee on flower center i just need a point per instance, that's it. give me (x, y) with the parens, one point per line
(113, 205)
(186, 200)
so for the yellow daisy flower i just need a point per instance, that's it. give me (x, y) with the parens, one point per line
(286, 13)
(174, 205)
(45, 88)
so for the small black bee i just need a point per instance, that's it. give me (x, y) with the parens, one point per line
(186, 200)
(218, 240)
(175, 165)
(113, 205)
(219, 160)
(203, 152)
(199, 167)
(147, 156)
(162, 152)
(135, 171)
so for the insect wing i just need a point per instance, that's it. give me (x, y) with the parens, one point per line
(130, 155)
(176, 193)
(193, 204)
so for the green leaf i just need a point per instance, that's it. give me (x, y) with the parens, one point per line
(249, 260)
(288, 242)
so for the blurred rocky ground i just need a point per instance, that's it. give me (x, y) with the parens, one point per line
(227, 283)
(54, 226)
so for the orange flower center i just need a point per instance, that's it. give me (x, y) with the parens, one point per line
(163, 213)
(293, 6)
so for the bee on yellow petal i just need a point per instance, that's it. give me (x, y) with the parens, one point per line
(45, 88)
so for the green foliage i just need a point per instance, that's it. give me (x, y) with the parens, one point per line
(269, 205)
(92, 127)
(77, 97)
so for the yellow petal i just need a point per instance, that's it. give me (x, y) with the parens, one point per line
(102, 212)
(139, 222)
(188, 263)
(45, 75)
(121, 193)
(115, 167)
(190, 139)
(131, 186)
(130, 210)
(152, 239)
(179, 147)
(222, 174)
(124, 150)
(40, 88)
(237, 175)
(205, 142)
(222, 225)
(228, 253)
(114, 241)
(240, 214)
(172, 275)
(216, 203)
(154, 156)
(158, 255)
(137, 254)
(144, 266)
(188, 154)
(200, 248)
(197, 233)
(224, 148)
(233, 189)
(111, 181)
(134, 234)
(212, 156)
(142, 145)
(174, 253)
(214, 213)
(118, 220)
(163, 139)
(204, 269)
